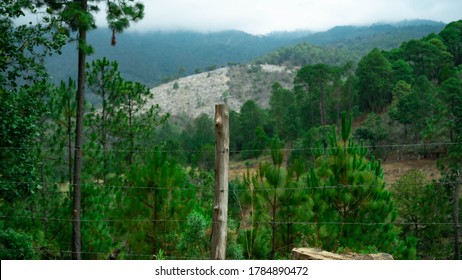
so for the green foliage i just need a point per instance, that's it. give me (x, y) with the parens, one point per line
(15, 245)
(307, 54)
(318, 83)
(122, 121)
(99, 238)
(407, 194)
(361, 39)
(427, 56)
(119, 15)
(281, 102)
(450, 93)
(24, 47)
(406, 250)
(272, 197)
(105, 81)
(252, 136)
(308, 144)
(354, 195)
(403, 72)
(194, 241)
(452, 37)
(322, 92)
(61, 107)
(421, 205)
(375, 76)
(162, 196)
(20, 116)
(372, 131)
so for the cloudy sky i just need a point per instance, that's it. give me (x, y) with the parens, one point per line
(264, 16)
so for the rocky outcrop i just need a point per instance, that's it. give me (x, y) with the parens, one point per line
(317, 254)
(197, 94)
(192, 95)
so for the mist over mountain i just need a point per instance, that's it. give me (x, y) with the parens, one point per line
(361, 39)
(156, 57)
(153, 57)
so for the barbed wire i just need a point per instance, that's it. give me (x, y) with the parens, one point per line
(92, 220)
(405, 145)
(107, 254)
(397, 223)
(257, 189)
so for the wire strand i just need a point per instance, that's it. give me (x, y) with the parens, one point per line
(239, 151)
(253, 223)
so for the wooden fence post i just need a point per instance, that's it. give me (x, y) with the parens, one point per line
(220, 202)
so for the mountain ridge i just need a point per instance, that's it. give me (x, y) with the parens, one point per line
(156, 57)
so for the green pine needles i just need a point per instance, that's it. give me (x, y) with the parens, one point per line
(346, 197)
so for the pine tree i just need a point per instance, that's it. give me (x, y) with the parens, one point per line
(424, 209)
(349, 203)
(375, 76)
(79, 16)
(158, 199)
(104, 80)
(451, 94)
(272, 196)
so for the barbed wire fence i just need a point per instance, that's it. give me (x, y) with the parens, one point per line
(399, 152)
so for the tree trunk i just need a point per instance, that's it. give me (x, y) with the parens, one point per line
(45, 197)
(69, 141)
(76, 233)
(131, 134)
(456, 221)
(103, 126)
(321, 104)
(273, 227)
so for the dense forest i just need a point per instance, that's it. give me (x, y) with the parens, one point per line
(124, 181)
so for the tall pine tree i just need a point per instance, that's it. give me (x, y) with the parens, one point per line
(78, 16)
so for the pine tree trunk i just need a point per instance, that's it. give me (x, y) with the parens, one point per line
(103, 125)
(69, 141)
(456, 221)
(321, 105)
(76, 233)
(273, 241)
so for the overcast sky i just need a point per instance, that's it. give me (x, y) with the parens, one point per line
(264, 16)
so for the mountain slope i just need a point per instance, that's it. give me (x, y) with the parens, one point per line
(362, 39)
(153, 57)
(349, 43)
(197, 94)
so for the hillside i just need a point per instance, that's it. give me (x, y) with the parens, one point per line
(234, 85)
(361, 39)
(349, 43)
(304, 54)
(197, 94)
(152, 58)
